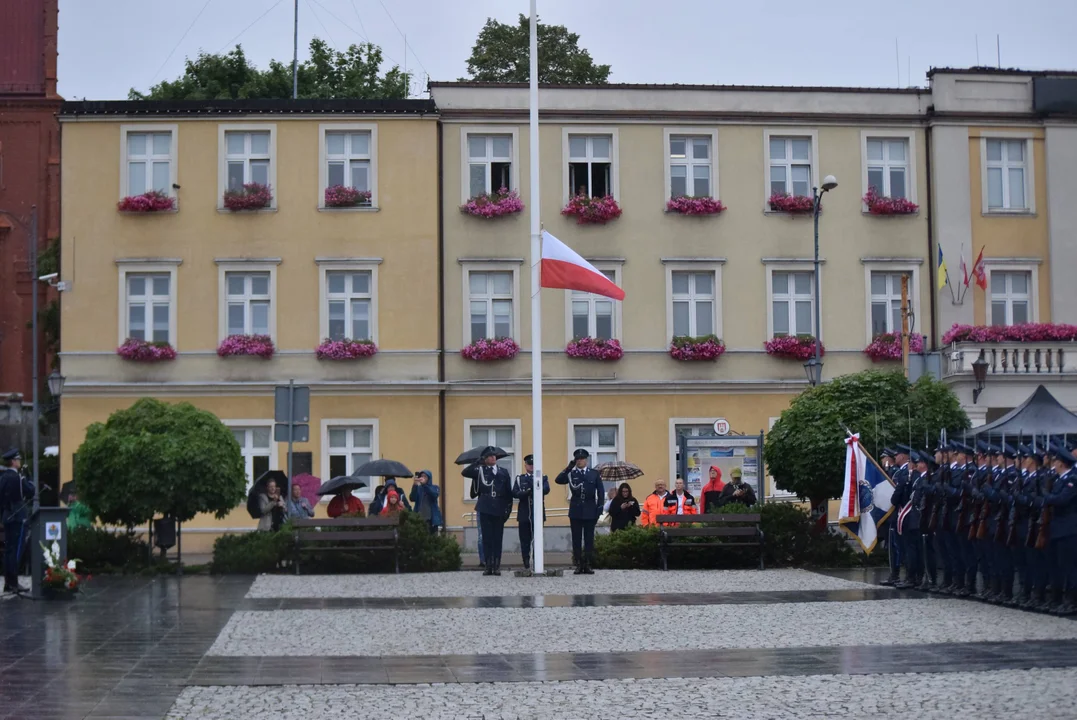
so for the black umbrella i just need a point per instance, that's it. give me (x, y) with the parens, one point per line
(67, 491)
(475, 454)
(382, 468)
(339, 484)
(259, 486)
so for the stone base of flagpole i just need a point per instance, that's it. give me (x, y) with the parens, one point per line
(530, 573)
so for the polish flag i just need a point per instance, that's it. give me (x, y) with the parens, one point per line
(978, 270)
(564, 269)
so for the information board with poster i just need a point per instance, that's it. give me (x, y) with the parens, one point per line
(700, 454)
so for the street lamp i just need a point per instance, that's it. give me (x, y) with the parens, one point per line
(56, 383)
(979, 373)
(814, 367)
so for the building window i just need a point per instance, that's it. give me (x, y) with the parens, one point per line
(1011, 298)
(502, 436)
(149, 162)
(347, 161)
(791, 303)
(690, 166)
(790, 165)
(693, 303)
(248, 302)
(254, 445)
(886, 302)
(247, 158)
(590, 165)
(888, 166)
(601, 441)
(349, 304)
(489, 159)
(594, 315)
(1007, 174)
(490, 302)
(149, 307)
(350, 447)
(686, 430)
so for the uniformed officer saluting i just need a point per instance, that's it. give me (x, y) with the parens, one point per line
(523, 487)
(16, 493)
(492, 486)
(584, 507)
(1063, 531)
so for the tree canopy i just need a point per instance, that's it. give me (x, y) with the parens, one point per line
(805, 452)
(156, 459)
(327, 73)
(501, 54)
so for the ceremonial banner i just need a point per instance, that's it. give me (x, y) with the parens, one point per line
(865, 497)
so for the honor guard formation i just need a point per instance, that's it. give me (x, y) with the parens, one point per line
(1001, 520)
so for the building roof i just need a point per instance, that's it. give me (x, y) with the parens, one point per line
(648, 86)
(149, 108)
(985, 70)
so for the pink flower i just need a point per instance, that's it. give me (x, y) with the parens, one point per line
(706, 347)
(253, 196)
(344, 196)
(143, 351)
(794, 347)
(1025, 332)
(887, 346)
(882, 205)
(687, 205)
(260, 345)
(152, 201)
(793, 204)
(591, 210)
(491, 349)
(589, 348)
(491, 205)
(345, 349)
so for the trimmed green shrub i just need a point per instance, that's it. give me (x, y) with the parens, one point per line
(104, 551)
(250, 553)
(633, 548)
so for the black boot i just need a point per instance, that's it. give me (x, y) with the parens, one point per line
(497, 567)
(488, 569)
(1068, 606)
(587, 569)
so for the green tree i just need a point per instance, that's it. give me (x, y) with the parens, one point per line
(805, 452)
(327, 73)
(501, 54)
(156, 458)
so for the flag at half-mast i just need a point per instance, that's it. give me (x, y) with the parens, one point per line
(564, 269)
(865, 497)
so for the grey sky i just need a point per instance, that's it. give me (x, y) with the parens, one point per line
(108, 46)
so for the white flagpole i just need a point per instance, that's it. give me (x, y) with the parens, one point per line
(536, 306)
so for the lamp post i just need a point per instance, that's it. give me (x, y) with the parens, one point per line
(979, 374)
(814, 367)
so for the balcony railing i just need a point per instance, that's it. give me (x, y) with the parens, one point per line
(1032, 358)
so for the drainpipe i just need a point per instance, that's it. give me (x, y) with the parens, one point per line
(932, 253)
(441, 328)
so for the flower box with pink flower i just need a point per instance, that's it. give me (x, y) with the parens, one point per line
(495, 204)
(704, 347)
(246, 345)
(345, 349)
(145, 351)
(887, 346)
(488, 349)
(791, 204)
(1021, 333)
(252, 196)
(687, 205)
(592, 210)
(342, 196)
(589, 348)
(882, 205)
(150, 202)
(793, 347)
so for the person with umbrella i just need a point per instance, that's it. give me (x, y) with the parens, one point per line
(298, 507)
(492, 486)
(524, 489)
(584, 507)
(271, 506)
(344, 503)
(624, 509)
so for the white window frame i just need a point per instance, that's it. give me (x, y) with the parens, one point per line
(789, 132)
(909, 136)
(805, 267)
(470, 267)
(913, 269)
(157, 266)
(323, 162)
(173, 163)
(613, 133)
(248, 462)
(222, 157)
(326, 265)
(514, 172)
(590, 298)
(690, 132)
(573, 423)
(703, 266)
(245, 266)
(673, 449)
(517, 438)
(365, 494)
(1007, 265)
(1030, 172)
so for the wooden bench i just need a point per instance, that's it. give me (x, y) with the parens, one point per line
(371, 533)
(743, 527)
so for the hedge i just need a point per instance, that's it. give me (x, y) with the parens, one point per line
(104, 551)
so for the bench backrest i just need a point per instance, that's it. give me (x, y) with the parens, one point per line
(712, 531)
(364, 536)
(367, 522)
(740, 518)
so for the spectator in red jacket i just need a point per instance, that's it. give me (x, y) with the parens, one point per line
(712, 491)
(346, 504)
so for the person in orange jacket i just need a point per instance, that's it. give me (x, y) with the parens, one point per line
(680, 501)
(654, 504)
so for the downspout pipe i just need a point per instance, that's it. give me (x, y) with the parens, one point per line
(441, 325)
(932, 253)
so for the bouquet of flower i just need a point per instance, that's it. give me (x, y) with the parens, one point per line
(253, 196)
(490, 205)
(592, 210)
(687, 205)
(793, 204)
(337, 196)
(491, 349)
(260, 345)
(1024, 332)
(705, 347)
(887, 346)
(145, 351)
(345, 349)
(794, 347)
(589, 348)
(60, 575)
(882, 205)
(152, 201)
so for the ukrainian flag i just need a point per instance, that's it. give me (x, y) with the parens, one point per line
(944, 276)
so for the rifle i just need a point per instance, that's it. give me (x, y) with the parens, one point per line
(1044, 534)
(979, 529)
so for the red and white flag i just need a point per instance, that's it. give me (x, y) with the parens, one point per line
(564, 269)
(978, 270)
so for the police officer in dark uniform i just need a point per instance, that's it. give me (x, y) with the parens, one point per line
(997, 496)
(1062, 501)
(900, 479)
(910, 519)
(886, 459)
(980, 478)
(926, 506)
(584, 508)
(492, 485)
(16, 494)
(1028, 567)
(523, 487)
